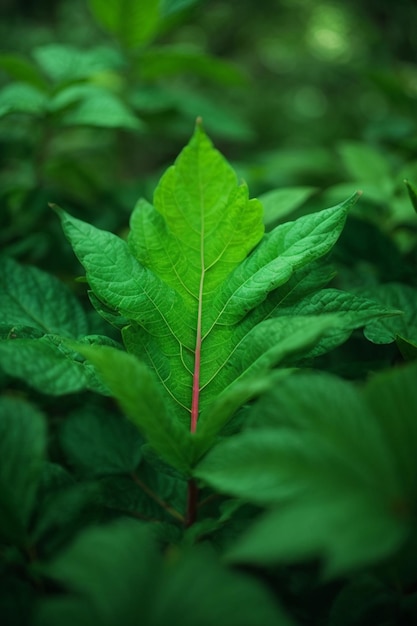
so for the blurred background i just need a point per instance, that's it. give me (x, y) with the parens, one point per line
(309, 100)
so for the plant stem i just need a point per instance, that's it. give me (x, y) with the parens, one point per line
(192, 500)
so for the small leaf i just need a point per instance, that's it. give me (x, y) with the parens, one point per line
(22, 450)
(134, 386)
(97, 107)
(279, 203)
(402, 297)
(133, 22)
(38, 300)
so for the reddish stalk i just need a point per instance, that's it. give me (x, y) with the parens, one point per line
(192, 499)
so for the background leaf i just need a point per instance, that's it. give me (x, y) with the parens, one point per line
(22, 450)
(133, 22)
(99, 443)
(56, 311)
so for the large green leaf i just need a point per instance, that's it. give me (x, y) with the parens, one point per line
(186, 283)
(340, 462)
(22, 450)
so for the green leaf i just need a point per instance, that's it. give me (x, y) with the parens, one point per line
(22, 98)
(21, 70)
(133, 22)
(97, 443)
(392, 397)
(348, 530)
(63, 62)
(49, 365)
(412, 192)
(350, 310)
(199, 288)
(279, 203)
(338, 461)
(110, 573)
(22, 450)
(171, 60)
(38, 300)
(366, 165)
(148, 590)
(402, 297)
(135, 388)
(94, 106)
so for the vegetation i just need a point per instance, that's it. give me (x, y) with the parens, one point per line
(209, 402)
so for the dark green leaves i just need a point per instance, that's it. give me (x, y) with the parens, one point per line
(22, 449)
(340, 463)
(32, 298)
(116, 575)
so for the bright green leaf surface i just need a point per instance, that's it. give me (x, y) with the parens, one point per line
(22, 449)
(33, 298)
(200, 287)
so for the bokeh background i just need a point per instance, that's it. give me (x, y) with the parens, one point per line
(97, 98)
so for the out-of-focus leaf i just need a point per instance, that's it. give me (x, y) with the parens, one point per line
(21, 70)
(280, 203)
(97, 107)
(194, 589)
(22, 98)
(161, 61)
(64, 63)
(97, 443)
(22, 450)
(133, 22)
(412, 192)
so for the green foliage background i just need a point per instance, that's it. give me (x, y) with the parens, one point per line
(311, 506)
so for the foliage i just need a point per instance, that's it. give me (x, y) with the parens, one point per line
(208, 412)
